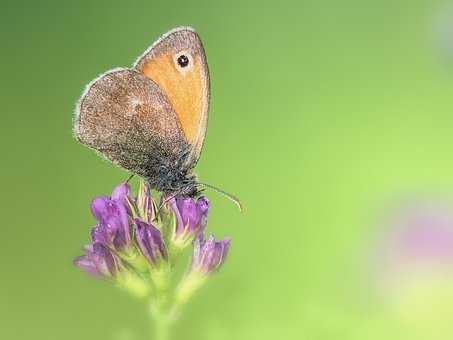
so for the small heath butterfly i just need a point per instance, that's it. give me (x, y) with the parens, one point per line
(151, 119)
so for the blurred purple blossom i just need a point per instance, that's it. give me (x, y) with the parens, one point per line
(415, 248)
(421, 233)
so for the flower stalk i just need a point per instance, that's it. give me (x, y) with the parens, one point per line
(136, 246)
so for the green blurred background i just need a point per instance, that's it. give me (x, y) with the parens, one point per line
(322, 112)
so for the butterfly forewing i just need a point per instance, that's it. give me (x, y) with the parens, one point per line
(177, 63)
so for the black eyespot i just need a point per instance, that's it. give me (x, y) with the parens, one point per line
(183, 61)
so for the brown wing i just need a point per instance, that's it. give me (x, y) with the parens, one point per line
(177, 63)
(125, 116)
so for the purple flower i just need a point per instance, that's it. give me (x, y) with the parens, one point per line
(98, 261)
(191, 218)
(150, 242)
(113, 228)
(209, 255)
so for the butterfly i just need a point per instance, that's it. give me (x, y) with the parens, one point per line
(151, 119)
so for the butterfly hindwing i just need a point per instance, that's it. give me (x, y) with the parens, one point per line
(127, 118)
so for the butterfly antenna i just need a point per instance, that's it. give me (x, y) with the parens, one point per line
(232, 198)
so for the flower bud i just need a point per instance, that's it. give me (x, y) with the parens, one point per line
(98, 261)
(209, 255)
(150, 242)
(191, 218)
(113, 228)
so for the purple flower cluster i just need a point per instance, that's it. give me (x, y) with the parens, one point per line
(131, 230)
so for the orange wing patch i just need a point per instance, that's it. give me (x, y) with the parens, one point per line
(185, 90)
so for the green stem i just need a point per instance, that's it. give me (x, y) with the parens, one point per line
(159, 306)
(161, 327)
(164, 305)
(188, 286)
